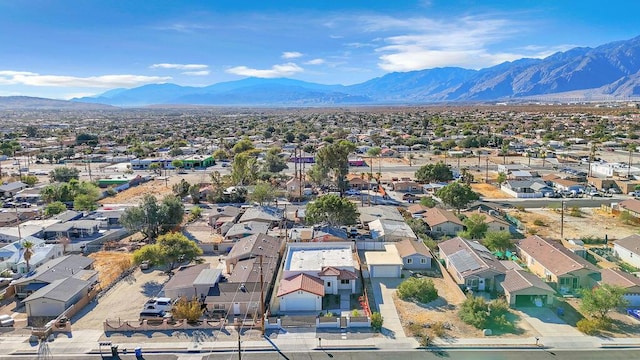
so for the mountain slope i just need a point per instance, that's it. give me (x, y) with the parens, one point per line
(27, 102)
(612, 69)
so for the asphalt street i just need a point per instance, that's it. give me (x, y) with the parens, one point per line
(432, 353)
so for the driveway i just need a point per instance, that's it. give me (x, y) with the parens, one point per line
(123, 301)
(383, 289)
(547, 323)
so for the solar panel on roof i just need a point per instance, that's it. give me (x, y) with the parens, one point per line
(463, 261)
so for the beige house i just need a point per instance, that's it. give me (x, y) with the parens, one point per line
(557, 265)
(442, 222)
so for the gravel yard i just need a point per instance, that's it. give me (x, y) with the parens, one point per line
(123, 301)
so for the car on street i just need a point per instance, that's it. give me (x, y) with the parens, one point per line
(352, 192)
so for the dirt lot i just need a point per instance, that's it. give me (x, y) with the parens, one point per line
(123, 301)
(159, 188)
(591, 223)
(623, 325)
(489, 191)
(415, 317)
(109, 265)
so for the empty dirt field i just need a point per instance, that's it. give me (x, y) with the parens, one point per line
(109, 265)
(489, 191)
(592, 222)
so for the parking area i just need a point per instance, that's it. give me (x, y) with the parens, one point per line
(123, 301)
(547, 323)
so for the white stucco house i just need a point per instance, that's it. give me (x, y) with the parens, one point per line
(332, 264)
(628, 250)
(384, 264)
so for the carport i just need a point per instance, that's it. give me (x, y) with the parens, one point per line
(524, 289)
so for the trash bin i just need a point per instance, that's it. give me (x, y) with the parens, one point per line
(138, 352)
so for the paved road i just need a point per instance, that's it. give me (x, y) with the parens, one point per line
(474, 354)
(545, 202)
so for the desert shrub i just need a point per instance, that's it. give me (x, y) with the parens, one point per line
(439, 329)
(539, 222)
(588, 326)
(376, 321)
(187, 309)
(476, 312)
(415, 329)
(419, 289)
(575, 212)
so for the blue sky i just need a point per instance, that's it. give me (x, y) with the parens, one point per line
(67, 48)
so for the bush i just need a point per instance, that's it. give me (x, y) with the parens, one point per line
(575, 212)
(419, 289)
(187, 309)
(476, 312)
(376, 321)
(539, 222)
(588, 326)
(439, 329)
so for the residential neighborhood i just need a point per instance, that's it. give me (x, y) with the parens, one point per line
(342, 230)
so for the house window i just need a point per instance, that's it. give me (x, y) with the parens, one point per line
(409, 261)
(501, 228)
(472, 283)
(345, 282)
(423, 261)
(328, 283)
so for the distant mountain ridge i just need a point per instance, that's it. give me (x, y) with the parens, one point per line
(28, 102)
(611, 70)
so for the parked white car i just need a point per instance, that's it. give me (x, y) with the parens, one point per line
(161, 303)
(6, 321)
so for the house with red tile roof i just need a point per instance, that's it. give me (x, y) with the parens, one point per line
(301, 292)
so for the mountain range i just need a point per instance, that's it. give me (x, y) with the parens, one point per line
(609, 71)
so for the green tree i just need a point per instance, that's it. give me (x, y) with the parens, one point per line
(156, 168)
(84, 202)
(244, 169)
(457, 195)
(476, 227)
(418, 226)
(170, 249)
(28, 252)
(64, 174)
(318, 175)
(599, 301)
(243, 145)
(220, 154)
(333, 210)
(502, 177)
(273, 162)
(54, 208)
(375, 152)
(181, 189)
(476, 312)
(194, 192)
(30, 180)
(151, 218)
(376, 321)
(335, 158)
(178, 164)
(434, 173)
(422, 290)
(263, 193)
(428, 201)
(497, 240)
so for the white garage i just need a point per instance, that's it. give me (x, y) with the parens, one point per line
(301, 292)
(384, 264)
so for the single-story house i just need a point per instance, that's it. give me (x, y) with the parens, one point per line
(391, 230)
(414, 254)
(471, 265)
(12, 255)
(234, 299)
(442, 222)
(632, 206)
(416, 210)
(556, 264)
(12, 188)
(407, 186)
(52, 300)
(524, 188)
(524, 289)
(254, 246)
(372, 213)
(266, 214)
(240, 230)
(384, 264)
(628, 249)
(190, 281)
(301, 292)
(630, 283)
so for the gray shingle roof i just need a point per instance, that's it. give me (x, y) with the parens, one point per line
(60, 290)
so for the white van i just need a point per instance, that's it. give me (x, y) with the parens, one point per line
(6, 321)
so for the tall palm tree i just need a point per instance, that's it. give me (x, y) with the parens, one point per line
(376, 152)
(632, 148)
(28, 252)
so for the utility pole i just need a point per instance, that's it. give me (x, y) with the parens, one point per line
(239, 345)
(262, 317)
(562, 221)
(486, 173)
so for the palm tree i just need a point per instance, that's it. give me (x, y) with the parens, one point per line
(375, 152)
(28, 252)
(632, 149)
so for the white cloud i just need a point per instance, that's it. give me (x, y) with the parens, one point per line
(180, 66)
(315, 62)
(416, 43)
(287, 69)
(9, 77)
(197, 73)
(291, 54)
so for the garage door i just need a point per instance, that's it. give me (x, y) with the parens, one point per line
(390, 271)
(294, 304)
(529, 300)
(634, 299)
